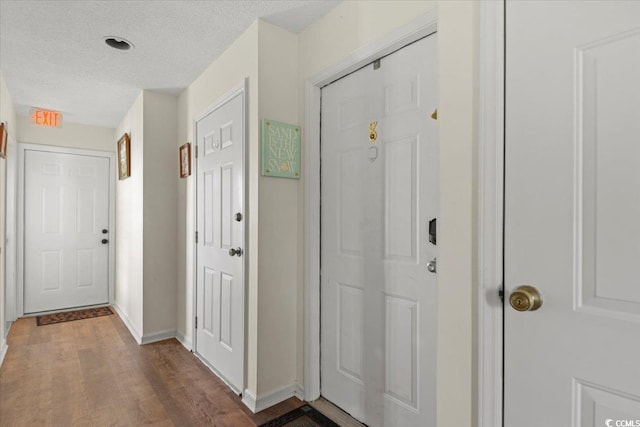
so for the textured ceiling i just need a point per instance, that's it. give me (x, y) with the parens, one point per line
(52, 53)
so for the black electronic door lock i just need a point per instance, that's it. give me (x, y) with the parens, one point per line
(432, 231)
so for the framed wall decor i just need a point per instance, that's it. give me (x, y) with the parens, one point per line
(185, 160)
(280, 149)
(4, 140)
(124, 157)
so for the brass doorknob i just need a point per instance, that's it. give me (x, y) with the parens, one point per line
(525, 298)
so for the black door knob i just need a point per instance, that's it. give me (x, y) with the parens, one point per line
(105, 231)
(105, 241)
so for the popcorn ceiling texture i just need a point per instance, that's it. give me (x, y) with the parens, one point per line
(52, 53)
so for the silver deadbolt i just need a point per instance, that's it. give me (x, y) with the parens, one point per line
(235, 252)
(431, 265)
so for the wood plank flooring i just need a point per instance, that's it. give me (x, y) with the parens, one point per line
(92, 373)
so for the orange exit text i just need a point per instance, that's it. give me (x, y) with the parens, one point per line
(52, 119)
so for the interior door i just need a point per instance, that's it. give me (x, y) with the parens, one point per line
(379, 193)
(66, 237)
(220, 242)
(572, 206)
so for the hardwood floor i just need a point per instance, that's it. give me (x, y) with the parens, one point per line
(92, 373)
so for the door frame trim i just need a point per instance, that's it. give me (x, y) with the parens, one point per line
(22, 147)
(11, 236)
(242, 89)
(420, 27)
(490, 219)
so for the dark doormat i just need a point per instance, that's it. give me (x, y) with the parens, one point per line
(68, 316)
(304, 416)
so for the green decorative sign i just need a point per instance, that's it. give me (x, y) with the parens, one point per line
(280, 149)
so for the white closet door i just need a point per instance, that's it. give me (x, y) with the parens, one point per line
(572, 206)
(220, 247)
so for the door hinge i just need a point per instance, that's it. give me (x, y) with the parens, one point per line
(376, 64)
(196, 237)
(196, 322)
(196, 151)
(501, 294)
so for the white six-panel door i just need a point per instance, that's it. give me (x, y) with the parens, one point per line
(572, 210)
(378, 300)
(66, 209)
(220, 225)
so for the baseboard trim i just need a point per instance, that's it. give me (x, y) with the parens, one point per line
(186, 342)
(249, 400)
(148, 338)
(299, 393)
(7, 325)
(268, 400)
(3, 352)
(158, 336)
(127, 323)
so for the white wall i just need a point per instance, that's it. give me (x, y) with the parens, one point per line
(72, 135)
(146, 218)
(8, 116)
(279, 245)
(160, 212)
(129, 223)
(351, 25)
(457, 260)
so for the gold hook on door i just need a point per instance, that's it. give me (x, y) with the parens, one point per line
(373, 135)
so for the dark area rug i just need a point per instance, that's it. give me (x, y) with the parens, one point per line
(68, 316)
(304, 416)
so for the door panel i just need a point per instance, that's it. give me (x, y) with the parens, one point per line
(66, 208)
(344, 239)
(571, 209)
(220, 276)
(378, 194)
(400, 175)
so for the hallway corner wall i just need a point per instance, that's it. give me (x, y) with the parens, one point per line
(458, 30)
(146, 217)
(160, 114)
(279, 202)
(130, 222)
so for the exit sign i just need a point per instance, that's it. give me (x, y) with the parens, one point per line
(46, 118)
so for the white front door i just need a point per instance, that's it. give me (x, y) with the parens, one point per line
(220, 245)
(66, 219)
(572, 211)
(379, 177)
